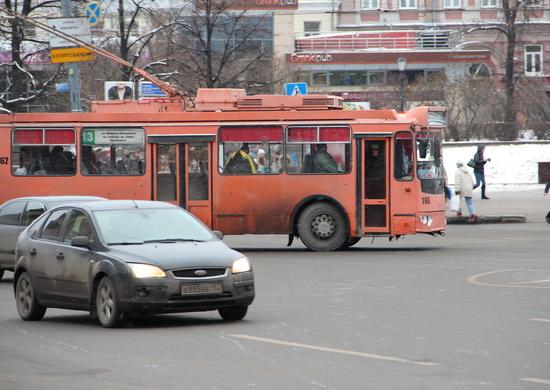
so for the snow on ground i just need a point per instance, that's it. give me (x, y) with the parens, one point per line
(511, 166)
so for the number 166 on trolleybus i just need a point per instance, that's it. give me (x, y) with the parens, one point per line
(263, 164)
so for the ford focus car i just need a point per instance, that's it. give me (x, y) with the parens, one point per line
(116, 258)
(16, 214)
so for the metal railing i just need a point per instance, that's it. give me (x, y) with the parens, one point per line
(399, 40)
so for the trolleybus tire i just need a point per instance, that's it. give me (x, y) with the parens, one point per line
(28, 307)
(322, 227)
(351, 241)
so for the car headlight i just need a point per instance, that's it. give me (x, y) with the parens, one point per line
(241, 265)
(146, 271)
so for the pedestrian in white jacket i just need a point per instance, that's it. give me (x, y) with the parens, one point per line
(464, 187)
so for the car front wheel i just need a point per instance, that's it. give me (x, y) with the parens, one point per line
(28, 307)
(234, 313)
(108, 309)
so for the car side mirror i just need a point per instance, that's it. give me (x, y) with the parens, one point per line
(81, 242)
(218, 234)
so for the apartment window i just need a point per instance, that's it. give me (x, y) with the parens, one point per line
(370, 4)
(404, 4)
(533, 60)
(312, 28)
(451, 3)
(488, 3)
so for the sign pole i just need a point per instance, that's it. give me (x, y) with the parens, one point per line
(74, 67)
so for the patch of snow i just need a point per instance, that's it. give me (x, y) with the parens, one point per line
(515, 163)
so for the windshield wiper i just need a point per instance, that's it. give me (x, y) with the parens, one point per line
(126, 243)
(169, 240)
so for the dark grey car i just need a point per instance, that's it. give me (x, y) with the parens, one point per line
(16, 214)
(115, 258)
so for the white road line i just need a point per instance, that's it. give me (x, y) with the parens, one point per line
(474, 279)
(540, 319)
(536, 380)
(533, 281)
(334, 350)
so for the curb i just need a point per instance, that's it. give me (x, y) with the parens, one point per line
(486, 219)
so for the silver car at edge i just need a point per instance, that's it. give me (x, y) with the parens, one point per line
(116, 258)
(16, 214)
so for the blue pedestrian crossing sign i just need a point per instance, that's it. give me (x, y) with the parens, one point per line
(292, 89)
(93, 12)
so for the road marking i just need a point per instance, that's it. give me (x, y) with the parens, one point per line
(540, 319)
(533, 281)
(536, 380)
(334, 350)
(474, 279)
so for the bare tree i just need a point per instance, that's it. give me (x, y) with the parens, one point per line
(217, 43)
(24, 84)
(515, 18)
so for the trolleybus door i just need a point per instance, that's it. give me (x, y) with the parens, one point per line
(183, 174)
(374, 185)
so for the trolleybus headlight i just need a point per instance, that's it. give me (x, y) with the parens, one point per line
(146, 271)
(426, 220)
(241, 265)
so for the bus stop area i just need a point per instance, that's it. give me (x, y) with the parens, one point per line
(507, 204)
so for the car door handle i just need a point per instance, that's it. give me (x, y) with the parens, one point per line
(60, 256)
(33, 252)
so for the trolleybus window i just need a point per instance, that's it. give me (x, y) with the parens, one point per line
(403, 162)
(113, 151)
(251, 150)
(319, 149)
(43, 151)
(429, 162)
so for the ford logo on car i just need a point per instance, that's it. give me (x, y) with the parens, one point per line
(201, 272)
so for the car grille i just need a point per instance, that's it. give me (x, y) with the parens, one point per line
(190, 273)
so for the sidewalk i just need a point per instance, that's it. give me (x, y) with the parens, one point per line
(508, 204)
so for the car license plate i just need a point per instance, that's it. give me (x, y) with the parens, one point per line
(201, 288)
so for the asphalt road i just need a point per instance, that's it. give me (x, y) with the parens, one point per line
(470, 310)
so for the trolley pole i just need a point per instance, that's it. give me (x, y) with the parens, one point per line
(74, 67)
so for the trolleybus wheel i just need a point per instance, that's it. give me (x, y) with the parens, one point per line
(322, 227)
(351, 241)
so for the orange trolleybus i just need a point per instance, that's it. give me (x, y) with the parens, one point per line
(264, 164)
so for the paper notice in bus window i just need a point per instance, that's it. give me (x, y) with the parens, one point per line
(437, 118)
(113, 137)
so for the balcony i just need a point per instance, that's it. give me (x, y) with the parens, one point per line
(376, 41)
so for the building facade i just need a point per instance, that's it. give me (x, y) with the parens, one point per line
(435, 39)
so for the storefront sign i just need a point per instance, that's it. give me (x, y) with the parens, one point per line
(258, 4)
(310, 58)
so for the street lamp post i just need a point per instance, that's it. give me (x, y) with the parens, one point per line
(401, 64)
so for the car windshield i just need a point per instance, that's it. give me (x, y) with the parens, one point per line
(138, 226)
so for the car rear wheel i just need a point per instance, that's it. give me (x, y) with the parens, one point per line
(234, 313)
(28, 307)
(322, 227)
(108, 309)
